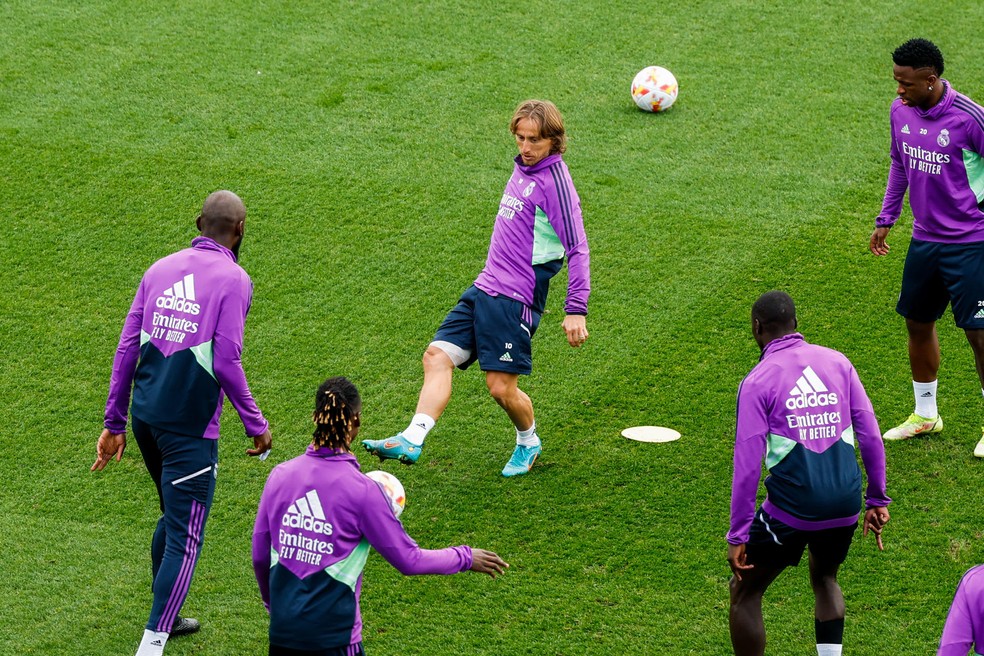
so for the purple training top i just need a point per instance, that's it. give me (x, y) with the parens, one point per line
(181, 344)
(318, 516)
(801, 409)
(937, 154)
(964, 628)
(539, 220)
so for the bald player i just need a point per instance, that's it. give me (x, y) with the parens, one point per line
(179, 353)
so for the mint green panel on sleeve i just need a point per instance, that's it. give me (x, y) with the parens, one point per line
(203, 353)
(348, 569)
(848, 435)
(974, 164)
(778, 448)
(546, 243)
(274, 558)
(144, 337)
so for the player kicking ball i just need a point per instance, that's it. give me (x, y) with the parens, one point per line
(538, 223)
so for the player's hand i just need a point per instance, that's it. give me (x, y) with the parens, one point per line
(107, 446)
(874, 521)
(486, 562)
(575, 325)
(877, 243)
(736, 560)
(261, 443)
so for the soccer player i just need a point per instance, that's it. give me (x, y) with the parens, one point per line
(964, 628)
(937, 148)
(180, 351)
(801, 410)
(538, 222)
(318, 516)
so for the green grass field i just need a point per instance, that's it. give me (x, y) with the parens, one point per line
(369, 141)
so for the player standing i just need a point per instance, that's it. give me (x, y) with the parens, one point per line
(317, 518)
(180, 351)
(800, 409)
(937, 149)
(538, 222)
(964, 628)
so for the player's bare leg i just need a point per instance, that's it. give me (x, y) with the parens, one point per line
(976, 339)
(924, 361)
(504, 388)
(435, 393)
(745, 615)
(829, 610)
(924, 350)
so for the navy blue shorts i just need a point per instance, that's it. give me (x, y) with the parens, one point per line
(773, 543)
(936, 275)
(495, 330)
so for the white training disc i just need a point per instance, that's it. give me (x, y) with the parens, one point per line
(651, 434)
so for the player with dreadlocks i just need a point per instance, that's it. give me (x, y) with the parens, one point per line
(318, 516)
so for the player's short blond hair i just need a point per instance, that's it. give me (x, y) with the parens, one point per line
(547, 117)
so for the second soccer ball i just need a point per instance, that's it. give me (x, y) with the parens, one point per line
(654, 89)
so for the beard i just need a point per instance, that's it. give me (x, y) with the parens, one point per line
(235, 249)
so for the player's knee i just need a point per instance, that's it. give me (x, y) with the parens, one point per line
(500, 389)
(435, 358)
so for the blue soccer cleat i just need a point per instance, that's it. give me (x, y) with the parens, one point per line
(522, 460)
(394, 448)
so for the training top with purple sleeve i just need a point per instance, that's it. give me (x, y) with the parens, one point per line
(938, 153)
(181, 345)
(801, 409)
(318, 516)
(539, 221)
(964, 628)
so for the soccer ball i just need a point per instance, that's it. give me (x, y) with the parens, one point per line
(392, 487)
(654, 89)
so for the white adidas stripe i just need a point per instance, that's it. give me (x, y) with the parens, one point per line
(808, 383)
(184, 288)
(308, 505)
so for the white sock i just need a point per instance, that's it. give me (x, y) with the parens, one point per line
(420, 425)
(829, 650)
(528, 437)
(152, 644)
(925, 394)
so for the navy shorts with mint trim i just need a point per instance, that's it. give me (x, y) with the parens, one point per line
(496, 330)
(936, 275)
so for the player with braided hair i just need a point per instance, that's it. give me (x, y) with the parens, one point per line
(317, 518)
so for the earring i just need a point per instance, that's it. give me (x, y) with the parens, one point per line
(930, 88)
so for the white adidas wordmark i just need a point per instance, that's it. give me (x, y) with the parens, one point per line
(180, 296)
(308, 514)
(809, 392)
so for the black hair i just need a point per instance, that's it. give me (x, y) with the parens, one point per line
(775, 311)
(919, 53)
(337, 407)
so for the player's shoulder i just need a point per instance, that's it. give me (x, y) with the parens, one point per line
(968, 111)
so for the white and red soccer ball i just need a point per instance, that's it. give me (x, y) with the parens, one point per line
(393, 488)
(654, 89)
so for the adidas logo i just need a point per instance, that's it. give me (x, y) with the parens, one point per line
(905, 129)
(810, 392)
(308, 514)
(980, 314)
(180, 296)
(926, 394)
(505, 357)
(156, 643)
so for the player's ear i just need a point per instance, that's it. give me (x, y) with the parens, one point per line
(198, 223)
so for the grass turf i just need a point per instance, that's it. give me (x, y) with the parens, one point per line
(369, 143)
